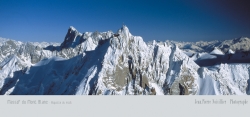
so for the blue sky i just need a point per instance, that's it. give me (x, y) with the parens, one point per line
(180, 20)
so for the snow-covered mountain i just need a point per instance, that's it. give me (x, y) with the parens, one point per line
(107, 63)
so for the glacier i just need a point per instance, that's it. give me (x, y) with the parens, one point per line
(107, 63)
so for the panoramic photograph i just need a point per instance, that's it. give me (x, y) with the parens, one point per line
(118, 47)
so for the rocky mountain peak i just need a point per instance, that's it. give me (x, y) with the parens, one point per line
(104, 63)
(71, 37)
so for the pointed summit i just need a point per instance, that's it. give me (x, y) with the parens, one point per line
(217, 51)
(125, 28)
(72, 28)
(71, 36)
(124, 31)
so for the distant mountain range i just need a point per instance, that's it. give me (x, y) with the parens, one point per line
(237, 44)
(107, 63)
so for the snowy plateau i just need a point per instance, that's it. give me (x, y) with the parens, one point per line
(107, 63)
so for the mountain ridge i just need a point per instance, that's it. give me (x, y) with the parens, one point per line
(107, 63)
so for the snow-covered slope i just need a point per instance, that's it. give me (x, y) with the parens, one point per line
(224, 79)
(107, 63)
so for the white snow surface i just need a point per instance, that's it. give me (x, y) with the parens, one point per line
(217, 51)
(230, 51)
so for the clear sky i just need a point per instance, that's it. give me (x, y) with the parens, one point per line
(180, 20)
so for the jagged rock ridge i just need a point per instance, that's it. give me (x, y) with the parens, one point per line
(110, 63)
